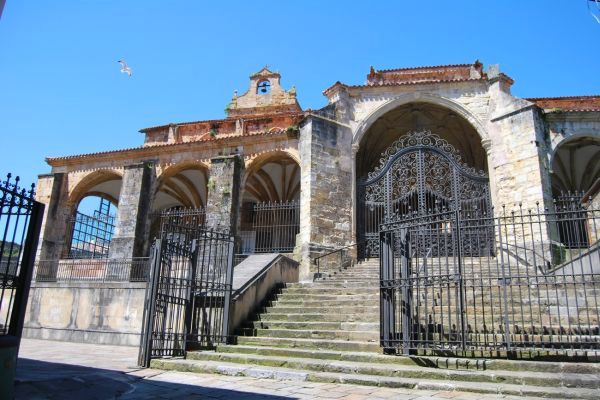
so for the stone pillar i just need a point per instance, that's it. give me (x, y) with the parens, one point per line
(133, 218)
(224, 193)
(326, 196)
(52, 190)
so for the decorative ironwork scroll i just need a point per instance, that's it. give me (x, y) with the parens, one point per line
(420, 174)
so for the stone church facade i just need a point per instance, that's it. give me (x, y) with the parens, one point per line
(268, 150)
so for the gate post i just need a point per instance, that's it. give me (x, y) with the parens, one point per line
(405, 274)
(386, 273)
(228, 288)
(459, 276)
(149, 307)
(190, 301)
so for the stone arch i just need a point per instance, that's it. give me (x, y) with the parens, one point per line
(182, 184)
(87, 185)
(363, 127)
(575, 163)
(288, 186)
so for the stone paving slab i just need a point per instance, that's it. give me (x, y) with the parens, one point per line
(61, 370)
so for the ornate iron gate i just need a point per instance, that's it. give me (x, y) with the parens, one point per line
(420, 174)
(188, 298)
(533, 294)
(20, 223)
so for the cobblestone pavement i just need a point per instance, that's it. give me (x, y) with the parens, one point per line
(60, 370)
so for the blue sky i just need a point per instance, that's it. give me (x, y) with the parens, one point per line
(61, 91)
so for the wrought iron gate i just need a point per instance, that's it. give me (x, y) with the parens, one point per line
(20, 223)
(419, 174)
(532, 294)
(188, 298)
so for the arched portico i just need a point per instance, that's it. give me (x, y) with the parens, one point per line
(363, 126)
(416, 158)
(270, 203)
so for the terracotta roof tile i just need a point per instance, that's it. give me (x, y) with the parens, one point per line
(153, 149)
(401, 83)
(568, 103)
(212, 121)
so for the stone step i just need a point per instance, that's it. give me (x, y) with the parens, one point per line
(331, 291)
(326, 303)
(279, 373)
(403, 371)
(323, 310)
(438, 362)
(319, 317)
(318, 325)
(327, 344)
(320, 297)
(319, 334)
(334, 285)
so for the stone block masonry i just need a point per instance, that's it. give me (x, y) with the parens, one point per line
(102, 313)
(135, 203)
(52, 190)
(326, 179)
(222, 208)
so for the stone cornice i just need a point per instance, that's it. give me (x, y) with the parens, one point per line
(144, 152)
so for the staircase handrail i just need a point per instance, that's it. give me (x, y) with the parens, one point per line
(316, 260)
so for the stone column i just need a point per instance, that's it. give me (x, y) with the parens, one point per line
(135, 202)
(326, 196)
(224, 193)
(52, 190)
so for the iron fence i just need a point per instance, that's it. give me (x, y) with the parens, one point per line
(274, 228)
(533, 292)
(92, 270)
(188, 299)
(90, 235)
(20, 223)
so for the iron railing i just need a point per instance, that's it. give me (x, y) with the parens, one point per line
(533, 292)
(92, 270)
(342, 257)
(274, 228)
(188, 298)
(90, 235)
(20, 224)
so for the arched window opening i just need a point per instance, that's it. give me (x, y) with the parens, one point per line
(575, 169)
(91, 228)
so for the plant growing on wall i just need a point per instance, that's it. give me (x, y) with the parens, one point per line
(211, 184)
(292, 129)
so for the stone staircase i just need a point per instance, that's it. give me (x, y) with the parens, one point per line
(328, 331)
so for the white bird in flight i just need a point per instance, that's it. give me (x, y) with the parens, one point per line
(125, 68)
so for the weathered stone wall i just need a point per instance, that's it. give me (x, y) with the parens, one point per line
(254, 279)
(223, 204)
(327, 183)
(135, 203)
(52, 190)
(518, 152)
(105, 313)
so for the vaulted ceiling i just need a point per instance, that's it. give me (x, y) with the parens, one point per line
(277, 180)
(185, 189)
(576, 165)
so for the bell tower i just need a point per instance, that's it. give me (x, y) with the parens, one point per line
(264, 96)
